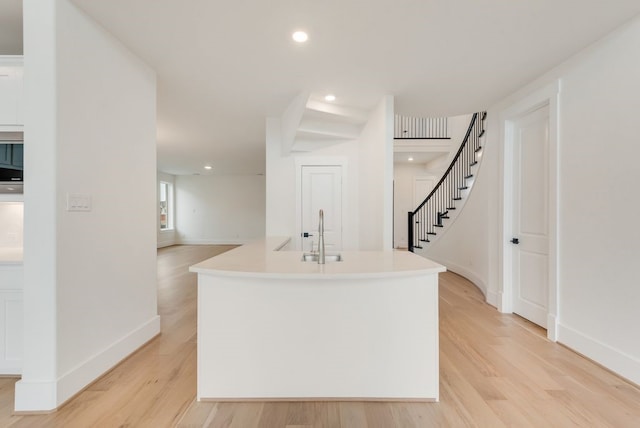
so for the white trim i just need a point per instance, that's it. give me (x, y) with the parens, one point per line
(168, 243)
(301, 161)
(33, 396)
(548, 95)
(171, 213)
(493, 298)
(462, 271)
(613, 359)
(94, 367)
(49, 395)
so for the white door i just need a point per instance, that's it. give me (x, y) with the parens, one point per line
(321, 189)
(530, 240)
(422, 186)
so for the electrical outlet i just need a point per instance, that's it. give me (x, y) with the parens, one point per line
(78, 202)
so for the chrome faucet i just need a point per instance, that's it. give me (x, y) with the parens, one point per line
(321, 239)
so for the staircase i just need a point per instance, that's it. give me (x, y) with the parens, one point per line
(427, 222)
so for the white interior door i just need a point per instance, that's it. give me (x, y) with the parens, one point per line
(422, 186)
(321, 189)
(530, 240)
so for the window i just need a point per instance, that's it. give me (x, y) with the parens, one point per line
(166, 206)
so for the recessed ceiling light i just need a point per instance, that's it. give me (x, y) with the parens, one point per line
(410, 159)
(300, 36)
(208, 167)
(330, 97)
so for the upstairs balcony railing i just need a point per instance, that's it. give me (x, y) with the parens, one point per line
(421, 128)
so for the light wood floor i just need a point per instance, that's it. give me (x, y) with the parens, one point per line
(496, 370)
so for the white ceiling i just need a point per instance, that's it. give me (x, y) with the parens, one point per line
(223, 66)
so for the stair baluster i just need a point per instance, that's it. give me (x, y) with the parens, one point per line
(429, 215)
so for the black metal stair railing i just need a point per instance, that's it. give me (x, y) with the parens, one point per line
(425, 220)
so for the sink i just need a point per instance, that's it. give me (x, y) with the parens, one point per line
(313, 257)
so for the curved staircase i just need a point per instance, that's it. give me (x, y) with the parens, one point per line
(430, 219)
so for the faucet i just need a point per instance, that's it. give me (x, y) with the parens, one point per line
(321, 239)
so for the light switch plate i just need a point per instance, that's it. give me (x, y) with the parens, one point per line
(78, 202)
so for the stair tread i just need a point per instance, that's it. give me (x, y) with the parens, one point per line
(438, 225)
(457, 199)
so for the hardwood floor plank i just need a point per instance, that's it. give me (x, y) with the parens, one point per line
(496, 370)
(274, 414)
(352, 415)
(199, 414)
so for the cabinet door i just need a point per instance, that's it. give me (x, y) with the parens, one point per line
(10, 95)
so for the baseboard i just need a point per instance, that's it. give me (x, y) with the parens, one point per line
(493, 298)
(234, 241)
(45, 396)
(552, 327)
(462, 271)
(35, 396)
(613, 359)
(166, 243)
(85, 373)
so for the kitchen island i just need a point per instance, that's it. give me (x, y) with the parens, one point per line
(272, 327)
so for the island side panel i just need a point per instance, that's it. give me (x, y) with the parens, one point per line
(318, 338)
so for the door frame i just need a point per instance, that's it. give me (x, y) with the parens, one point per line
(546, 96)
(302, 161)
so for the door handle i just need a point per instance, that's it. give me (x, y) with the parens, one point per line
(306, 234)
(515, 241)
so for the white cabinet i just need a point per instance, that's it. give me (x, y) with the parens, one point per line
(10, 318)
(11, 73)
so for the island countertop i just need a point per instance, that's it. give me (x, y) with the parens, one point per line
(264, 259)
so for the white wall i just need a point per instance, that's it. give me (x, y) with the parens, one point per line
(376, 179)
(165, 237)
(281, 185)
(11, 224)
(404, 179)
(219, 209)
(90, 277)
(599, 236)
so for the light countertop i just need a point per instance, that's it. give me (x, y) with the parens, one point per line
(261, 259)
(10, 256)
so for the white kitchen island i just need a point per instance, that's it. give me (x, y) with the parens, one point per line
(272, 327)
